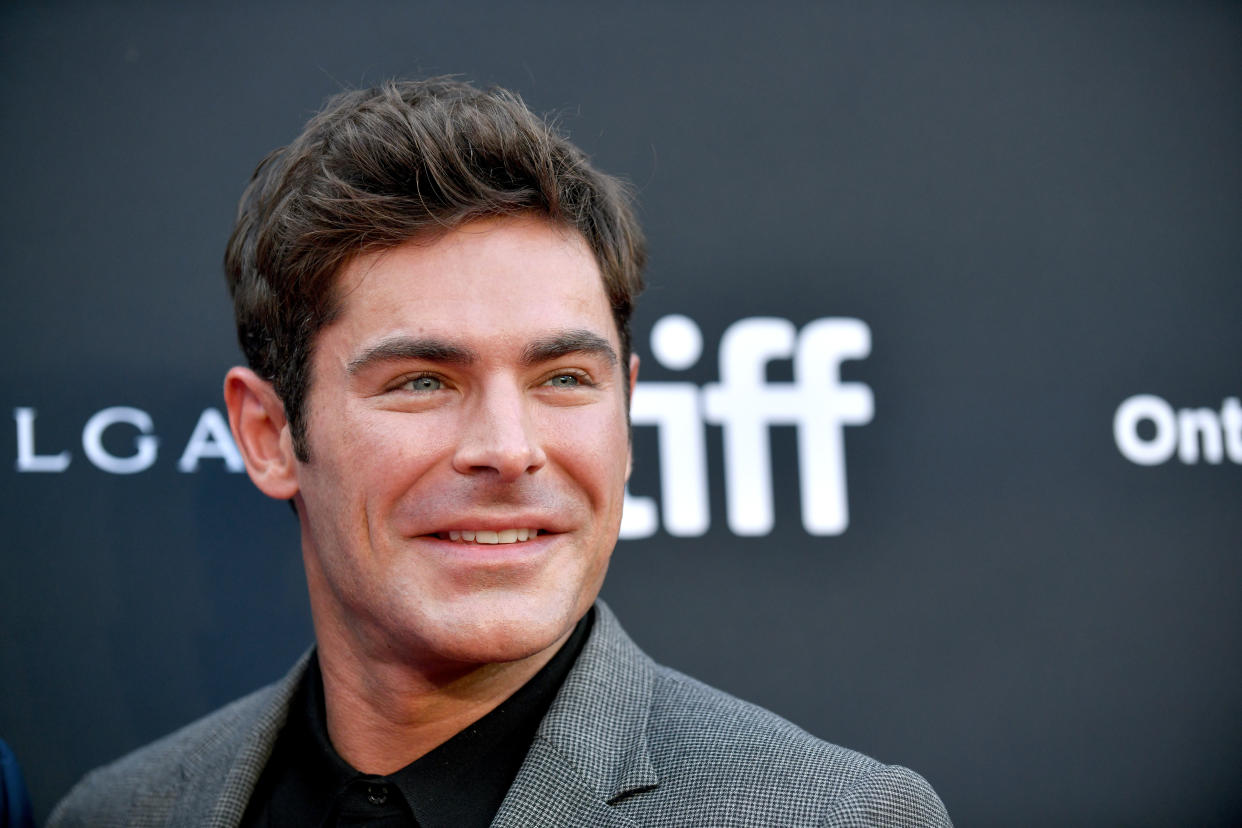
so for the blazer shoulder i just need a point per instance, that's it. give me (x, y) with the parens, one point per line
(140, 786)
(759, 765)
(889, 795)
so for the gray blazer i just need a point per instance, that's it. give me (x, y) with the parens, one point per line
(626, 743)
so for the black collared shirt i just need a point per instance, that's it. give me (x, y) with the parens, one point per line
(459, 784)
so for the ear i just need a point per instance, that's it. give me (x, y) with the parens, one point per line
(629, 454)
(257, 419)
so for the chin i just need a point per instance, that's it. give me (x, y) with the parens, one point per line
(495, 632)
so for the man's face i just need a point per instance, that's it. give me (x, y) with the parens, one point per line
(471, 387)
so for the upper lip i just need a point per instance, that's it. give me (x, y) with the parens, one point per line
(495, 523)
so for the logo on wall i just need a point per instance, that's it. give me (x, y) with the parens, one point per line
(210, 439)
(1149, 432)
(743, 403)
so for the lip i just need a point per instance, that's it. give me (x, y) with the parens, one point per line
(528, 553)
(494, 521)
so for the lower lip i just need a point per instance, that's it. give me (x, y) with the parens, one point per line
(493, 554)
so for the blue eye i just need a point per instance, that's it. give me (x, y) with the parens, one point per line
(423, 384)
(564, 381)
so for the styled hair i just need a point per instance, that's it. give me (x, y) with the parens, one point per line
(377, 167)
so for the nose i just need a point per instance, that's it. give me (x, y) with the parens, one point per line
(498, 437)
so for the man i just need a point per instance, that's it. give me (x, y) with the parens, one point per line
(433, 292)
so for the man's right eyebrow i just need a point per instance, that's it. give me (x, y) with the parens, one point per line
(407, 348)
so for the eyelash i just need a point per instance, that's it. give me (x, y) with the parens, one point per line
(581, 379)
(401, 386)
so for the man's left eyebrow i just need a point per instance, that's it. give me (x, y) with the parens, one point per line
(566, 343)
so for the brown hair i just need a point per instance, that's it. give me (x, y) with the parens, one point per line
(379, 166)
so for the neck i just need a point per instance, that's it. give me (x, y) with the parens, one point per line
(384, 714)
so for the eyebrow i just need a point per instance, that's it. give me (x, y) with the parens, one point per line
(566, 343)
(437, 350)
(406, 348)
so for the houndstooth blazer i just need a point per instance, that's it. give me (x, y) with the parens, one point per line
(626, 743)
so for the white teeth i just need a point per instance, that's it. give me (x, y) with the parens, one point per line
(490, 537)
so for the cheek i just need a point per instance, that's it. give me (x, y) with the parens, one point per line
(362, 463)
(395, 443)
(595, 452)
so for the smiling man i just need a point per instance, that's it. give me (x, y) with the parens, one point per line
(433, 291)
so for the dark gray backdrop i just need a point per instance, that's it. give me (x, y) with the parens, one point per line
(1035, 208)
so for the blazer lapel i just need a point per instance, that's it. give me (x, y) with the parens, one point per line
(551, 791)
(222, 775)
(591, 750)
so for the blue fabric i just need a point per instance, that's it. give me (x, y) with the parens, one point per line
(15, 811)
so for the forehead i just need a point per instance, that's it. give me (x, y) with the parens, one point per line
(490, 279)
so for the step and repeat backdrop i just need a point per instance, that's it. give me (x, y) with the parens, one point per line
(938, 440)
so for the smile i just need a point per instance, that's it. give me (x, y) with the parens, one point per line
(488, 536)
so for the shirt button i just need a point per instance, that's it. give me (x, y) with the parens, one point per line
(377, 794)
